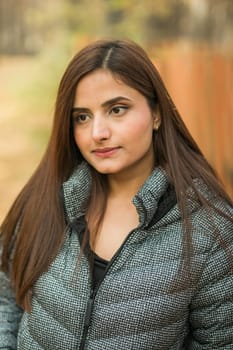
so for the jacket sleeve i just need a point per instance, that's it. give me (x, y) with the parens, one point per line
(211, 309)
(10, 315)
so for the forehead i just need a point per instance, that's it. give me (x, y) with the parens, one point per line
(102, 85)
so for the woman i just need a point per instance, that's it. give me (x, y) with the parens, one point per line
(123, 237)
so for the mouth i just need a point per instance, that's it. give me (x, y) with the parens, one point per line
(105, 152)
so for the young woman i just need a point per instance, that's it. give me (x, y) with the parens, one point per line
(123, 237)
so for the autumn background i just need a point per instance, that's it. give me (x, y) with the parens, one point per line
(190, 41)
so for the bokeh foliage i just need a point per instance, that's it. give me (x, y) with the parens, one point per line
(28, 26)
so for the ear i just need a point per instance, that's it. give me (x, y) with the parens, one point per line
(156, 118)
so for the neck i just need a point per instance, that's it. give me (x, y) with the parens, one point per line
(126, 186)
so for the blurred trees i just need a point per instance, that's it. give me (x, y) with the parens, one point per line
(26, 26)
(13, 31)
(212, 20)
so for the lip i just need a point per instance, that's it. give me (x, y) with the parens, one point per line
(105, 152)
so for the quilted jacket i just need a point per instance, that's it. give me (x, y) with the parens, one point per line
(143, 302)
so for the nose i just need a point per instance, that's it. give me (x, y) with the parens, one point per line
(100, 129)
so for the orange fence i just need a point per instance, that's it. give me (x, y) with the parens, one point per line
(200, 81)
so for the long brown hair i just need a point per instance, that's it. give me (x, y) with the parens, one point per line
(34, 228)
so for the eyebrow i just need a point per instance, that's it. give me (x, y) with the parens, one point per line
(104, 104)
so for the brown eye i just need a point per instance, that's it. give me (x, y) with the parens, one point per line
(81, 118)
(118, 110)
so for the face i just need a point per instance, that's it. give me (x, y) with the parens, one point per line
(113, 126)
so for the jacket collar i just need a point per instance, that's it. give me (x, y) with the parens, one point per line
(76, 192)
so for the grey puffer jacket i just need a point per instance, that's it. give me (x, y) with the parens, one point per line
(143, 302)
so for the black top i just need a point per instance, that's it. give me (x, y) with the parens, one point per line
(99, 268)
(99, 265)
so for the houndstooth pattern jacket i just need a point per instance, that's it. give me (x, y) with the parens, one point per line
(144, 301)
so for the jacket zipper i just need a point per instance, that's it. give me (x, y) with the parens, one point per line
(91, 300)
(90, 304)
(87, 319)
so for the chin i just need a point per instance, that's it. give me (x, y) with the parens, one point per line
(106, 170)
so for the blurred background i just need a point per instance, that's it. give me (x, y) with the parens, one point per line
(190, 42)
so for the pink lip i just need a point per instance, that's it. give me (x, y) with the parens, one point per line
(105, 152)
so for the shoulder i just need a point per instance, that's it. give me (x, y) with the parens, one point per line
(214, 213)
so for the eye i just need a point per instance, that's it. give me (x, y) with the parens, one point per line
(81, 118)
(118, 110)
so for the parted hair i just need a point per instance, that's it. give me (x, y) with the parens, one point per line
(34, 228)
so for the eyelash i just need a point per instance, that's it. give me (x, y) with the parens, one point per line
(124, 108)
(76, 117)
(77, 120)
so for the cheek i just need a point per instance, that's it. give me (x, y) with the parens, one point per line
(79, 138)
(142, 130)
